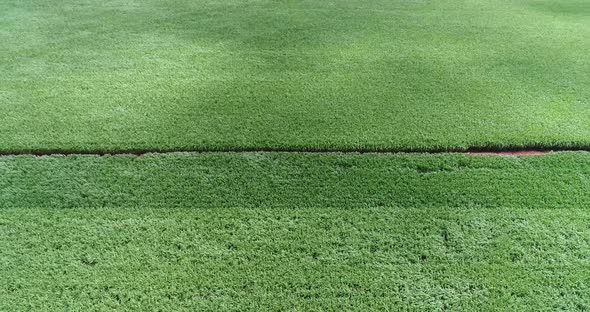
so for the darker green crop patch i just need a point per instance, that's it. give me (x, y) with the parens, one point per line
(579, 9)
(295, 180)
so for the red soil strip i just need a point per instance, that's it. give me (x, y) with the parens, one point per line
(475, 151)
(509, 153)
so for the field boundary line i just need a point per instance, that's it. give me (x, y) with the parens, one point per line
(502, 151)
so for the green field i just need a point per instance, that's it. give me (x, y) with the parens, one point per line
(83, 75)
(251, 188)
(295, 259)
(276, 231)
(292, 180)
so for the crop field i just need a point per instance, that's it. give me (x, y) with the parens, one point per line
(280, 231)
(151, 75)
(183, 155)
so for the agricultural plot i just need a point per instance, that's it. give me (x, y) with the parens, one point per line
(260, 74)
(212, 198)
(304, 232)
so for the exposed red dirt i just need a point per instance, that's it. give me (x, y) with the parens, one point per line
(510, 153)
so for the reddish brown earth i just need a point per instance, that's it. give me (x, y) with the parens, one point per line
(510, 153)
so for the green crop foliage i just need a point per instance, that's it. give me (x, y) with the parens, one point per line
(235, 228)
(263, 74)
(276, 231)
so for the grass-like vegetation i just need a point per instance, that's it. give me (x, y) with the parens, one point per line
(285, 180)
(275, 231)
(293, 74)
(295, 259)
(294, 231)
